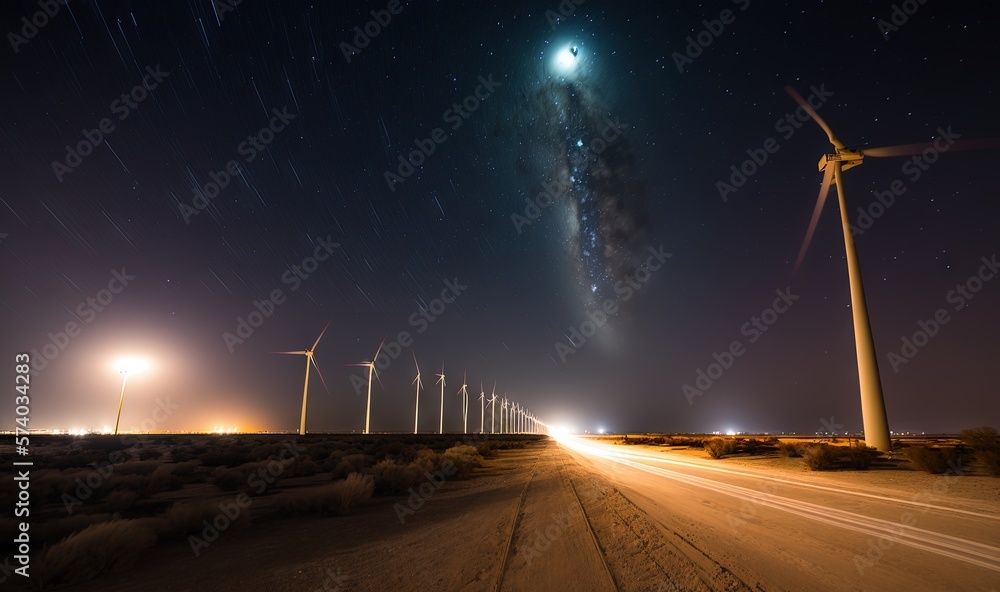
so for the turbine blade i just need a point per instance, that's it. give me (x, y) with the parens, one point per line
(379, 350)
(824, 190)
(909, 149)
(364, 364)
(320, 372)
(377, 377)
(812, 113)
(415, 365)
(321, 334)
(294, 353)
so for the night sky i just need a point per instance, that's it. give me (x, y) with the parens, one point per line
(265, 157)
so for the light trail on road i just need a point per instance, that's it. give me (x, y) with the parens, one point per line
(973, 552)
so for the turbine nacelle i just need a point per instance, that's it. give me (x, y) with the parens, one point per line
(848, 157)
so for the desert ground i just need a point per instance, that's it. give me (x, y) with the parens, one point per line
(511, 513)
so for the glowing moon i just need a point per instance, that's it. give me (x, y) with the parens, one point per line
(566, 59)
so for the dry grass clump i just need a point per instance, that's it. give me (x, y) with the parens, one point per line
(720, 447)
(985, 443)
(820, 457)
(933, 460)
(98, 549)
(789, 450)
(335, 498)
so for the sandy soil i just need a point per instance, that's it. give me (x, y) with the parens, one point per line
(550, 518)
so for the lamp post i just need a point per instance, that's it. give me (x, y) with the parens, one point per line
(125, 366)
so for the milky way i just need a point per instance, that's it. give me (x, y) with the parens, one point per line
(582, 145)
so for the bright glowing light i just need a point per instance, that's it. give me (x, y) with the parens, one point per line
(567, 59)
(730, 433)
(600, 430)
(131, 365)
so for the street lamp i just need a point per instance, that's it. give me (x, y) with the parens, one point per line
(126, 366)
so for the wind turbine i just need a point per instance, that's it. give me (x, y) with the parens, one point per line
(305, 387)
(503, 415)
(416, 381)
(493, 407)
(482, 405)
(371, 370)
(442, 383)
(465, 403)
(833, 165)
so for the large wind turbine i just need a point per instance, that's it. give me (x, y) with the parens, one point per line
(833, 165)
(416, 381)
(308, 353)
(465, 403)
(442, 383)
(482, 411)
(371, 370)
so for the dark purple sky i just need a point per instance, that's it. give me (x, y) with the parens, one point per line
(290, 143)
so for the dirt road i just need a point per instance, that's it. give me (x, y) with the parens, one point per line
(580, 516)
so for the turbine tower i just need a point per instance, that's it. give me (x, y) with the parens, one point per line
(493, 408)
(416, 381)
(482, 405)
(833, 165)
(308, 353)
(371, 370)
(465, 403)
(442, 383)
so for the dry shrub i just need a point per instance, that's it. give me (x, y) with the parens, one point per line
(136, 467)
(861, 456)
(186, 518)
(985, 442)
(719, 447)
(934, 460)
(50, 531)
(335, 498)
(789, 450)
(351, 463)
(99, 549)
(120, 499)
(820, 457)
(464, 458)
(393, 478)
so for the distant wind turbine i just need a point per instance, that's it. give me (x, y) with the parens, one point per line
(416, 381)
(371, 370)
(442, 383)
(308, 353)
(465, 403)
(482, 405)
(493, 408)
